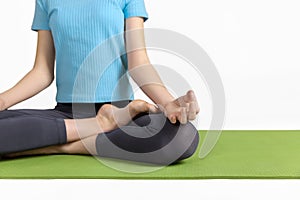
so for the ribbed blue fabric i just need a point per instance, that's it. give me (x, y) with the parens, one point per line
(88, 65)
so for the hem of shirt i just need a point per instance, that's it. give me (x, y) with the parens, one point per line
(61, 100)
(36, 28)
(142, 15)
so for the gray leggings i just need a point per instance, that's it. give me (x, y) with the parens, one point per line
(148, 138)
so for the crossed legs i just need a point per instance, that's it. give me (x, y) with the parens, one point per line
(79, 131)
(149, 138)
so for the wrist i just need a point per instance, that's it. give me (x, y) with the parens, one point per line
(166, 101)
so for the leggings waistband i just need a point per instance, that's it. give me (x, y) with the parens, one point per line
(68, 107)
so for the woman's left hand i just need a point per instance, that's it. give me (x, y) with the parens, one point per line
(183, 109)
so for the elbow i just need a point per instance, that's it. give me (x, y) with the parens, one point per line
(41, 76)
(49, 81)
(46, 79)
(43, 73)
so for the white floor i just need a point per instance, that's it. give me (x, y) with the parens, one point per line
(150, 189)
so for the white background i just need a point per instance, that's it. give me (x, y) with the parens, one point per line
(255, 46)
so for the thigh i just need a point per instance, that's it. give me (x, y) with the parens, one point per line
(30, 129)
(49, 113)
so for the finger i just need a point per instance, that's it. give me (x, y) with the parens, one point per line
(181, 101)
(184, 105)
(196, 103)
(183, 116)
(188, 108)
(172, 118)
(192, 111)
(191, 97)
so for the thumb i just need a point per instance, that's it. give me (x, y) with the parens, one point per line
(172, 119)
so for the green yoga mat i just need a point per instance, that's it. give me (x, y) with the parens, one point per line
(237, 155)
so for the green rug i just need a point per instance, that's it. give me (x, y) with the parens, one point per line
(237, 155)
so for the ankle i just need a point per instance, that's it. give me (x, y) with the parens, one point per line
(64, 149)
(105, 124)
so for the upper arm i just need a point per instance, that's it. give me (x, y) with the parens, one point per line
(45, 53)
(135, 42)
(135, 15)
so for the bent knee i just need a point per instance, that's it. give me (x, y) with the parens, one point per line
(192, 147)
(183, 145)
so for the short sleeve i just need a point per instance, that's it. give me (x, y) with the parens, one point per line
(40, 20)
(135, 8)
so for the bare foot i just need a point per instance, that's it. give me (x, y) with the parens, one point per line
(111, 117)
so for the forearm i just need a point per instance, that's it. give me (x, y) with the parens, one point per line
(140, 69)
(158, 94)
(31, 84)
(151, 84)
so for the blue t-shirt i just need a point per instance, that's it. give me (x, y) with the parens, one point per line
(78, 27)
